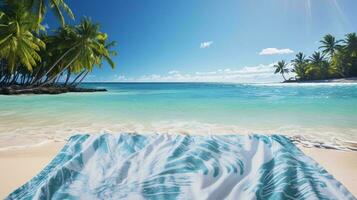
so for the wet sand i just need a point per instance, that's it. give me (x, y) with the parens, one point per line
(20, 165)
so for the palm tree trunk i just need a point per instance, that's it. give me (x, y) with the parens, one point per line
(14, 78)
(79, 75)
(3, 82)
(55, 64)
(22, 80)
(34, 78)
(58, 79)
(79, 82)
(30, 80)
(283, 76)
(8, 79)
(53, 82)
(54, 77)
(68, 75)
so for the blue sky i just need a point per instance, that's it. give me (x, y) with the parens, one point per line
(211, 40)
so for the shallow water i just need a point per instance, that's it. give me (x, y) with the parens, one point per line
(319, 111)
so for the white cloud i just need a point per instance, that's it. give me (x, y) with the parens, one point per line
(120, 78)
(206, 44)
(273, 51)
(249, 74)
(174, 72)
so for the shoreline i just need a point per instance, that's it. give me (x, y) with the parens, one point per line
(20, 165)
(18, 90)
(334, 143)
(333, 80)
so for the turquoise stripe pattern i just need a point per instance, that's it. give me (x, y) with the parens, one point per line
(164, 166)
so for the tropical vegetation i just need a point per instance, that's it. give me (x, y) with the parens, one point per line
(32, 56)
(336, 59)
(282, 68)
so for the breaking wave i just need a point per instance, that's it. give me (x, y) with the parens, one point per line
(26, 137)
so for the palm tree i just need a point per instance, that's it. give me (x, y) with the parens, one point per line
(299, 64)
(351, 54)
(60, 47)
(98, 49)
(18, 45)
(329, 45)
(103, 54)
(316, 58)
(300, 59)
(341, 62)
(39, 8)
(30, 57)
(281, 67)
(318, 65)
(351, 42)
(82, 47)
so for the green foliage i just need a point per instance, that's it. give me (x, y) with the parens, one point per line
(329, 45)
(338, 59)
(28, 56)
(18, 44)
(281, 68)
(300, 65)
(350, 50)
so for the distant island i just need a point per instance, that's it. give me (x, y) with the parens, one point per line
(337, 62)
(332, 80)
(39, 61)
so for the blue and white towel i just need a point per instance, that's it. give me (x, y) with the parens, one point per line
(133, 166)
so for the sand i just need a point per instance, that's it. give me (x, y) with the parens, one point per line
(19, 166)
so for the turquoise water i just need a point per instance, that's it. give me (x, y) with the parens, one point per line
(316, 110)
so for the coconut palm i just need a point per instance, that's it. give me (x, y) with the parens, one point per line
(18, 44)
(281, 67)
(300, 58)
(81, 48)
(299, 63)
(59, 48)
(39, 8)
(97, 50)
(329, 45)
(318, 66)
(351, 54)
(102, 53)
(341, 62)
(316, 58)
(351, 43)
(29, 57)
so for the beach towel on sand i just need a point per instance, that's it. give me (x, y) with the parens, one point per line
(162, 166)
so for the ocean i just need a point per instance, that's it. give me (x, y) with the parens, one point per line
(318, 111)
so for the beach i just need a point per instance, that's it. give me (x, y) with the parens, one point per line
(178, 100)
(33, 128)
(334, 80)
(19, 166)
